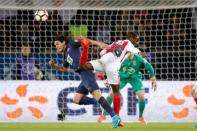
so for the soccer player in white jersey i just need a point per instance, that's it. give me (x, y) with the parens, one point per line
(111, 58)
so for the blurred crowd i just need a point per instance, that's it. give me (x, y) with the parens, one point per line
(168, 36)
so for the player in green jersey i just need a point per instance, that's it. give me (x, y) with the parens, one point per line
(130, 73)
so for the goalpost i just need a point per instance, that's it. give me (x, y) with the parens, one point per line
(167, 29)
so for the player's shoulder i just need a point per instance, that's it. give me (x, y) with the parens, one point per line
(140, 58)
(120, 42)
(73, 44)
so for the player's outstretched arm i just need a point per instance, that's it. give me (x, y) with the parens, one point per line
(86, 42)
(150, 69)
(100, 44)
(58, 67)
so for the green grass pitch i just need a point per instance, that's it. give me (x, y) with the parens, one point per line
(96, 127)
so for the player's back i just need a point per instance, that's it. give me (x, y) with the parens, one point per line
(72, 55)
(121, 47)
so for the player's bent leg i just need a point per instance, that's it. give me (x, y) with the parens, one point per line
(141, 107)
(116, 98)
(109, 99)
(115, 119)
(113, 79)
(77, 98)
(102, 117)
(81, 97)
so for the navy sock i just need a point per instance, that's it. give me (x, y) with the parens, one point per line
(106, 106)
(87, 101)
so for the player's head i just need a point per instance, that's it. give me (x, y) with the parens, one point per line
(25, 50)
(61, 41)
(133, 37)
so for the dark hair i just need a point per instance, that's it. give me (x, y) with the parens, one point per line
(63, 36)
(133, 34)
(25, 44)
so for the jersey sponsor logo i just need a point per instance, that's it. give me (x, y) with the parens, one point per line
(69, 60)
(27, 68)
(129, 70)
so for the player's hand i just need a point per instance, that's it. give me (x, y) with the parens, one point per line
(154, 83)
(52, 63)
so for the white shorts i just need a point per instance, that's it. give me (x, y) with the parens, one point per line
(109, 64)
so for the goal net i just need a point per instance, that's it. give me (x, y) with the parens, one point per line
(167, 30)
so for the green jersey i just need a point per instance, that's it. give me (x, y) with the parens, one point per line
(130, 68)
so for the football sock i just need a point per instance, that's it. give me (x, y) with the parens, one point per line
(116, 101)
(87, 101)
(141, 108)
(106, 106)
(109, 99)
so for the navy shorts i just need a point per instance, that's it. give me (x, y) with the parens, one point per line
(88, 83)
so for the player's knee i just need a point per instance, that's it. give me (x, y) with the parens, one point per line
(96, 94)
(141, 98)
(76, 100)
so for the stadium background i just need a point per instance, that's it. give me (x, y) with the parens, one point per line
(167, 33)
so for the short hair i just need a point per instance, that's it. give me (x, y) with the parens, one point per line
(63, 36)
(133, 34)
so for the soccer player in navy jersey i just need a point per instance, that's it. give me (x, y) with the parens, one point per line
(72, 60)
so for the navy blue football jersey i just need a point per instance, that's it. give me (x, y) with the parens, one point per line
(72, 55)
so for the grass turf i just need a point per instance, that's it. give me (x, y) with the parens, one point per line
(96, 127)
